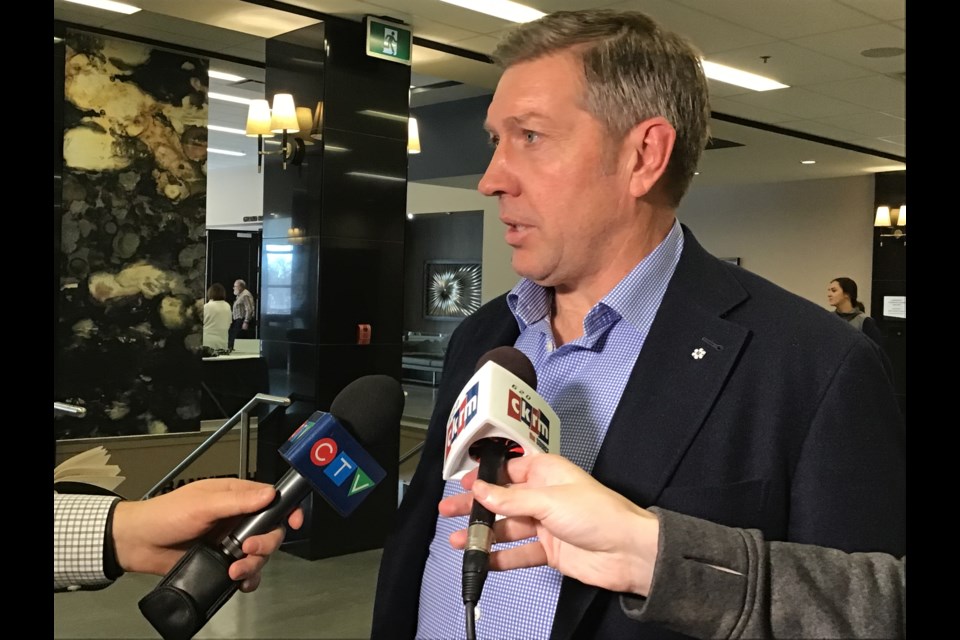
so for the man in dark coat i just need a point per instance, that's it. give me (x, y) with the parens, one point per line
(680, 380)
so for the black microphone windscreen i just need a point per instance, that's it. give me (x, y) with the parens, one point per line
(368, 407)
(514, 361)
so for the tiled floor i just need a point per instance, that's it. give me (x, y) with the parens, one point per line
(320, 599)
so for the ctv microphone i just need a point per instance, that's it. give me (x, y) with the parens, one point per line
(499, 415)
(323, 456)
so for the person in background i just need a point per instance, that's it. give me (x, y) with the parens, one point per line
(686, 574)
(244, 312)
(679, 380)
(96, 538)
(217, 318)
(842, 295)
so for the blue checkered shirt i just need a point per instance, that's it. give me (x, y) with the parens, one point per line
(583, 381)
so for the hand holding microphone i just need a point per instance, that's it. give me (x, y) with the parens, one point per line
(584, 530)
(498, 416)
(323, 456)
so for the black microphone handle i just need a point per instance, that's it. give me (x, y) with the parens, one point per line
(200, 583)
(476, 556)
(292, 488)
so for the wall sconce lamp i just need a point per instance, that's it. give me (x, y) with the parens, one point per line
(284, 118)
(896, 223)
(413, 136)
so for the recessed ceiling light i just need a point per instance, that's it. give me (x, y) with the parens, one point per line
(225, 152)
(119, 7)
(216, 127)
(745, 79)
(226, 97)
(229, 77)
(504, 9)
(883, 52)
(808, 162)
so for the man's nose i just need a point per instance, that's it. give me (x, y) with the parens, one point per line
(496, 180)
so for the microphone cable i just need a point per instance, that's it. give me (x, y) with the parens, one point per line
(493, 454)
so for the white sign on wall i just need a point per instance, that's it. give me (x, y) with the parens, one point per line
(895, 307)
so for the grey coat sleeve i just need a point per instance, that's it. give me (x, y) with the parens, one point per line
(712, 581)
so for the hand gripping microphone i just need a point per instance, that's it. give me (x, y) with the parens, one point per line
(323, 456)
(499, 415)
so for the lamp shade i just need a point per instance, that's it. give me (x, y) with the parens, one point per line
(284, 114)
(258, 118)
(883, 217)
(902, 216)
(305, 124)
(413, 136)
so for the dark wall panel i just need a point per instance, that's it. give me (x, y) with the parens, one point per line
(457, 236)
(890, 279)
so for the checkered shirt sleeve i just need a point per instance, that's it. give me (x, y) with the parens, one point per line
(79, 526)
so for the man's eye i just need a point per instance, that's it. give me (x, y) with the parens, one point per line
(494, 141)
(531, 136)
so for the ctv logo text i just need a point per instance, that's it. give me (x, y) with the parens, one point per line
(538, 424)
(339, 467)
(462, 415)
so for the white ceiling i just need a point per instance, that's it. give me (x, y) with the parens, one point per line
(814, 46)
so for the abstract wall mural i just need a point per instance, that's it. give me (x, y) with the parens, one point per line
(451, 289)
(132, 251)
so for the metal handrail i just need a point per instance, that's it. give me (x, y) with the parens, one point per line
(69, 409)
(243, 417)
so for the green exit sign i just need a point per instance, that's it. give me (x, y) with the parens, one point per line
(388, 40)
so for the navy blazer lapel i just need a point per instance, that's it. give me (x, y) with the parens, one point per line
(688, 355)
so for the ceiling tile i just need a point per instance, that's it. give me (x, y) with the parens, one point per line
(846, 46)
(788, 63)
(876, 92)
(874, 125)
(454, 16)
(438, 31)
(882, 9)
(482, 44)
(798, 103)
(709, 33)
(784, 18)
(749, 112)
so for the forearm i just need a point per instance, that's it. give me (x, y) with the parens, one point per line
(713, 581)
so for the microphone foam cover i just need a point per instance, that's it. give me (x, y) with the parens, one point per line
(370, 407)
(514, 361)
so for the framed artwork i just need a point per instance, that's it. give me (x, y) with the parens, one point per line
(451, 290)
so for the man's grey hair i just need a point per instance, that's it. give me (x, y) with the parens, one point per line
(634, 70)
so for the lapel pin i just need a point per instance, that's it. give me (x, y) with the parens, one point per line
(698, 353)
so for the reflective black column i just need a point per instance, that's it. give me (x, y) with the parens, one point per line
(333, 252)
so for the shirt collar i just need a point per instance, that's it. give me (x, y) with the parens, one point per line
(644, 285)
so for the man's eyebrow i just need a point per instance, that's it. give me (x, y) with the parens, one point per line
(517, 121)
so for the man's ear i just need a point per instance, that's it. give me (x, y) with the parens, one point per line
(651, 144)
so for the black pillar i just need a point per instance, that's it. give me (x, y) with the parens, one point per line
(890, 279)
(333, 251)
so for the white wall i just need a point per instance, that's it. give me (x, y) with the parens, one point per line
(799, 235)
(236, 191)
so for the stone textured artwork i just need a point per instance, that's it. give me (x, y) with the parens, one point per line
(132, 250)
